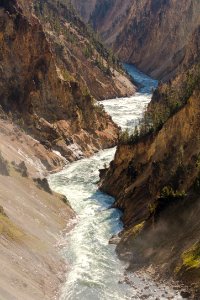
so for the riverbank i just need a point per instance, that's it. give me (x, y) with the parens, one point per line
(32, 218)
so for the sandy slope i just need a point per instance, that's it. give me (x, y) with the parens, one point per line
(31, 266)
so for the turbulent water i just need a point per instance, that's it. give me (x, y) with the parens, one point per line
(95, 271)
(127, 111)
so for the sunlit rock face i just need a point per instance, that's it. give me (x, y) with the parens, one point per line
(50, 77)
(158, 36)
(154, 35)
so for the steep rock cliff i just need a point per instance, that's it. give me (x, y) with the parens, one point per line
(157, 36)
(155, 180)
(46, 84)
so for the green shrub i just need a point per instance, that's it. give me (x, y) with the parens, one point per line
(168, 193)
(88, 51)
(191, 257)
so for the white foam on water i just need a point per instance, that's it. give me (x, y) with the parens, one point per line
(95, 270)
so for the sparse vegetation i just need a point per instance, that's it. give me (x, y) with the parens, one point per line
(152, 208)
(67, 76)
(54, 14)
(86, 92)
(88, 51)
(167, 197)
(99, 108)
(168, 193)
(168, 99)
(126, 137)
(133, 231)
(198, 161)
(4, 167)
(191, 257)
(43, 184)
(9, 229)
(20, 122)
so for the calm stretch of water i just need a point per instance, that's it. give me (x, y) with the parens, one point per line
(95, 271)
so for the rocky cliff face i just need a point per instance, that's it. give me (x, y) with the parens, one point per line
(109, 18)
(47, 79)
(84, 8)
(155, 180)
(154, 35)
(156, 38)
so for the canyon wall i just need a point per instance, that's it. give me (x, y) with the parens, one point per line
(51, 70)
(155, 180)
(153, 35)
(85, 9)
(157, 35)
(48, 82)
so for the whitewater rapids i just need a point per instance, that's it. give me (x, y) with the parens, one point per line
(95, 271)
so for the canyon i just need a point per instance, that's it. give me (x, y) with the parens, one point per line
(97, 272)
(48, 84)
(154, 178)
(156, 36)
(48, 117)
(59, 87)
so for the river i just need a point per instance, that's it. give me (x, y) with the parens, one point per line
(95, 272)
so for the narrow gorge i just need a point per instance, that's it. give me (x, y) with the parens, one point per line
(99, 149)
(159, 36)
(96, 272)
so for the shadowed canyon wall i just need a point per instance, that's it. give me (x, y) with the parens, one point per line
(153, 35)
(155, 180)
